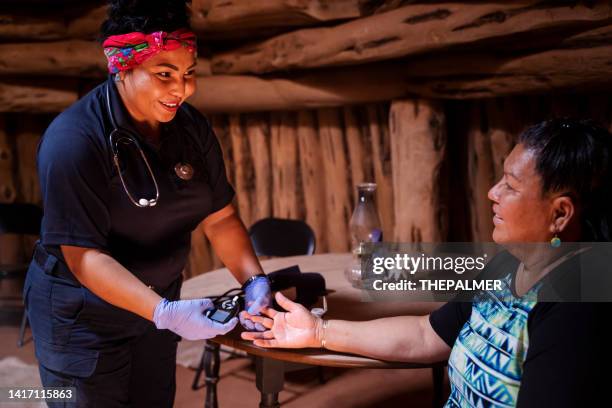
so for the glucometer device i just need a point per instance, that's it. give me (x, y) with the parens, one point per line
(224, 311)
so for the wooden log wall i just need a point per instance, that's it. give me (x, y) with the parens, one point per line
(433, 160)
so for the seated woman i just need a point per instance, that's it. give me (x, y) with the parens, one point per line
(512, 351)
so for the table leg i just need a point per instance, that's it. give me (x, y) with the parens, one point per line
(211, 370)
(270, 376)
(438, 386)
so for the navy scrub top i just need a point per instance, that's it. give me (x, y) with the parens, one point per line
(84, 201)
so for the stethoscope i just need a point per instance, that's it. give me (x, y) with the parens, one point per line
(119, 135)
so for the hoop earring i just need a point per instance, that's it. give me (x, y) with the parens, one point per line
(555, 242)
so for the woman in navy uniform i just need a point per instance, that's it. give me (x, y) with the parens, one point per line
(127, 173)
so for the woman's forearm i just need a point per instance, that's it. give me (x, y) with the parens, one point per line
(401, 338)
(231, 243)
(108, 279)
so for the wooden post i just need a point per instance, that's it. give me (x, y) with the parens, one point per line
(201, 255)
(29, 130)
(418, 147)
(8, 191)
(245, 182)
(504, 124)
(10, 244)
(221, 129)
(286, 188)
(481, 176)
(381, 159)
(312, 177)
(337, 201)
(356, 141)
(28, 133)
(258, 131)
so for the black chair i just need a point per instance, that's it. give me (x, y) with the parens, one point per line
(269, 237)
(21, 219)
(282, 237)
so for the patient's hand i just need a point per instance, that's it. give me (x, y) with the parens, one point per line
(295, 328)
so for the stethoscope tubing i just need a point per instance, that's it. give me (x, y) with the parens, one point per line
(142, 202)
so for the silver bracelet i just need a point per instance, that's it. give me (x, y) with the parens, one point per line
(324, 328)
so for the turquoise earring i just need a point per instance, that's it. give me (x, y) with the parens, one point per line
(555, 242)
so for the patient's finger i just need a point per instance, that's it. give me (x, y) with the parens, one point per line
(257, 335)
(264, 321)
(268, 311)
(266, 343)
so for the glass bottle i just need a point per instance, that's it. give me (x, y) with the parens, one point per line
(364, 227)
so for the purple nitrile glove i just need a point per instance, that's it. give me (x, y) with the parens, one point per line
(257, 295)
(186, 318)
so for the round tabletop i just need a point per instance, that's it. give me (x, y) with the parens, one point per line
(343, 302)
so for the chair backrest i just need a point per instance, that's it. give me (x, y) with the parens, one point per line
(20, 218)
(281, 237)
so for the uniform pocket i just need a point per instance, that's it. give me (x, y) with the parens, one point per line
(37, 297)
(67, 303)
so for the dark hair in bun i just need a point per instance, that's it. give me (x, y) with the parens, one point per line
(146, 16)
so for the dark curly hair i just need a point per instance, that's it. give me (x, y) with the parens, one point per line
(146, 16)
(575, 157)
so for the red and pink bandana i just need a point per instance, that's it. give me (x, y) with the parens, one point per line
(125, 51)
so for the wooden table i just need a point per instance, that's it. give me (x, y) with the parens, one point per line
(344, 302)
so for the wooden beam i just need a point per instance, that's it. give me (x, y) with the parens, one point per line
(64, 58)
(226, 15)
(587, 69)
(76, 58)
(406, 31)
(418, 146)
(87, 25)
(24, 25)
(468, 76)
(36, 96)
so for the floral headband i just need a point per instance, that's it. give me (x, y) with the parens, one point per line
(125, 51)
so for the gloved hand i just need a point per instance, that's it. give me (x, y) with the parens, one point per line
(186, 318)
(257, 295)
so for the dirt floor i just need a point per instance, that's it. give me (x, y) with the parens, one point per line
(236, 388)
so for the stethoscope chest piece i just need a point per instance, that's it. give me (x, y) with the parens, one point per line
(184, 171)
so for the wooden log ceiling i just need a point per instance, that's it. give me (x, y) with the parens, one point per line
(434, 50)
(406, 31)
